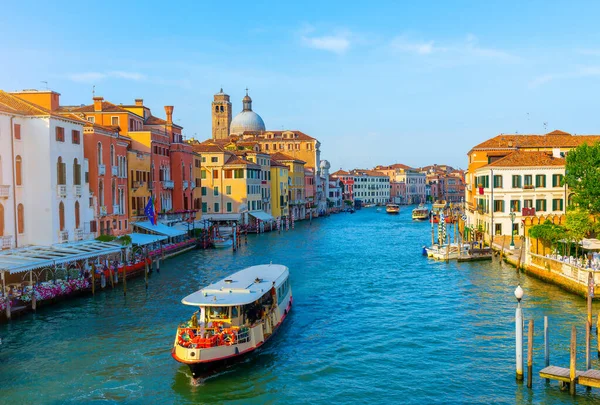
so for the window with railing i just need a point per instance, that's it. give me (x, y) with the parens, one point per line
(528, 181)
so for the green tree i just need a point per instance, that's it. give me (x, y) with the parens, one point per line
(578, 226)
(583, 176)
(548, 233)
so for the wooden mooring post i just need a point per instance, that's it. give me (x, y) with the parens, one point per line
(546, 345)
(530, 354)
(146, 271)
(573, 362)
(598, 334)
(519, 334)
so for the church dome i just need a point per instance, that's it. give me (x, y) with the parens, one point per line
(247, 120)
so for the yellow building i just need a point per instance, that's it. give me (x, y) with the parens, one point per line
(140, 186)
(296, 196)
(279, 189)
(231, 185)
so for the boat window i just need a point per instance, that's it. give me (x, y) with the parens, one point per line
(234, 312)
(218, 312)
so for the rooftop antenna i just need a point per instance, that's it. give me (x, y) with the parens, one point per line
(545, 126)
(45, 83)
(93, 91)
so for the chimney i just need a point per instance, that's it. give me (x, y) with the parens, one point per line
(98, 103)
(169, 112)
(556, 153)
(139, 102)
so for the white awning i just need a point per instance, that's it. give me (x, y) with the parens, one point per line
(590, 244)
(263, 216)
(37, 257)
(142, 239)
(159, 228)
(220, 217)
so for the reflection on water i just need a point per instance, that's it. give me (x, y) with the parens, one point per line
(372, 320)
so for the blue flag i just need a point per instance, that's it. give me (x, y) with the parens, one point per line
(149, 211)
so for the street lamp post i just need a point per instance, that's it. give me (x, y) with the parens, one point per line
(512, 232)
(519, 333)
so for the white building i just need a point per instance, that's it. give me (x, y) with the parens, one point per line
(371, 187)
(44, 198)
(335, 194)
(526, 183)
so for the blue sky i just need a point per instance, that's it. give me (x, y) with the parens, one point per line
(409, 82)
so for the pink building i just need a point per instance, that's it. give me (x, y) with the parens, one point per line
(310, 190)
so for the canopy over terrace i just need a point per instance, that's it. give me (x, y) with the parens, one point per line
(142, 239)
(591, 244)
(160, 229)
(263, 216)
(37, 257)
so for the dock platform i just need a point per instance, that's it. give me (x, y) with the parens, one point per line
(559, 374)
(590, 378)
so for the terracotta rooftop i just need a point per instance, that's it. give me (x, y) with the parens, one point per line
(235, 160)
(207, 147)
(282, 157)
(15, 105)
(275, 163)
(373, 173)
(106, 107)
(277, 134)
(554, 139)
(340, 173)
(521, 158)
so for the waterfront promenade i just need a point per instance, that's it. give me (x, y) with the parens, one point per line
(367, 305)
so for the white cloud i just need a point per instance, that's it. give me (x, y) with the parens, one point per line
(584, 71)
(88, 77)
(338, 43)
(403, 44)
(469, 47)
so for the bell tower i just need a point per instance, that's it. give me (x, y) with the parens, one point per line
(221, 116)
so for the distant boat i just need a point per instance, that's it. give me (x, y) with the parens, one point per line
(392, 208)
(420, 213)
(369, 205)
(222, 243)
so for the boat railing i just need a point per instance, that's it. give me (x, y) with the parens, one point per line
(199, 337)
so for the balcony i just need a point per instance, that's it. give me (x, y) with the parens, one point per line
(63, 236)
(150, 185)
(528, 187)
(168, 184)
(114, 170)
(77, 190)
(103, 211)
(78, 234)
(62, 190)
(4, 191)
(5, 242)
(185, 184)
(101, 170)
(138, 184)
(116, 210)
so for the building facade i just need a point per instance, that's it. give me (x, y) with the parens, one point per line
(371, 186)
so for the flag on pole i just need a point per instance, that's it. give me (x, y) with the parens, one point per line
(149, 211)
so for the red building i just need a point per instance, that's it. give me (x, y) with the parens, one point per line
(348, 180)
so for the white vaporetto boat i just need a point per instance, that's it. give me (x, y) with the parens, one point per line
(235, 316)
(222, 243)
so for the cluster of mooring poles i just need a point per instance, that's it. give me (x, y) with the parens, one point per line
(568, 377)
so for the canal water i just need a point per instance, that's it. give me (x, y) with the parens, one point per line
(373, 321)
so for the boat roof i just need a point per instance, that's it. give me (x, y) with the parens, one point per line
(240, 288)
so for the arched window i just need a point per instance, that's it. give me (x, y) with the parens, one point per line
(99, 153)
(76, 172)
(114, 192)
(112, 155)
(19, 170)
(61, 216)
(61, 170)
(76, 214)
(1, 220)
(20, 219)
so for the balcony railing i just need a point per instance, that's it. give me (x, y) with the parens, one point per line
(62, 190)
(168, 184)
(185, 184)
(77, 190)
(101, 170)
(6, 242)
(150, 185)
(115, 170)
(117, 209)
(78, 234)
(63, 236)
(4, 191)
(103, 211)
(138, 184)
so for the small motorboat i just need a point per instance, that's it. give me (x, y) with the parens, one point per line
(234, 317)
(221, 242)
(392, 208)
